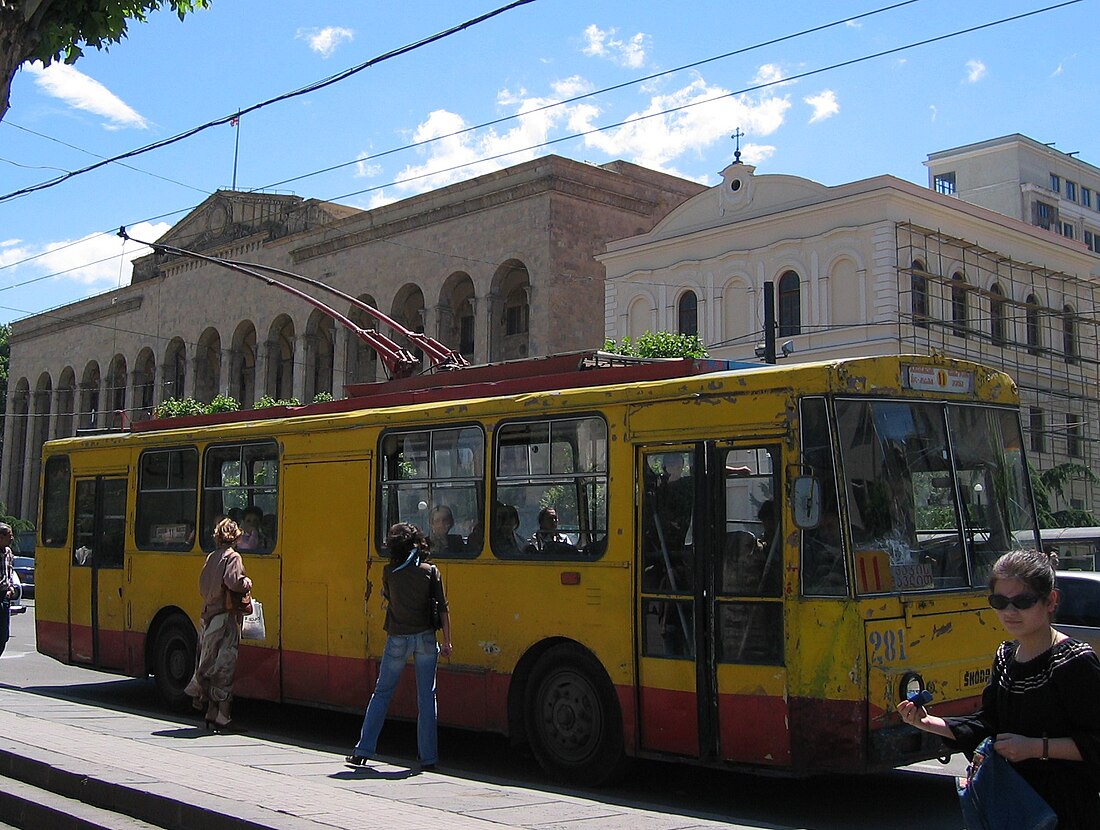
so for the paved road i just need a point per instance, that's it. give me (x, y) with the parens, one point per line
(85, 716)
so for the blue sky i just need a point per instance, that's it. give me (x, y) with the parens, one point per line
(1035, 76)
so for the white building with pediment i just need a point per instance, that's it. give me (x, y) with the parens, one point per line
(876, 266)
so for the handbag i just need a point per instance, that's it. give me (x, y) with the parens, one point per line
(993, 796)
(435, 613)
(237, 602)
(252, 626)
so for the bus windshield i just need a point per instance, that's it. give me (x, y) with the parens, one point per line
(935, 492)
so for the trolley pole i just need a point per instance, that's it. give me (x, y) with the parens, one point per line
(769, 322)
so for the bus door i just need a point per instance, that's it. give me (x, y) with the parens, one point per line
(96, 623)
(712, 682)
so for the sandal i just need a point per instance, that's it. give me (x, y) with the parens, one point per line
(356, 760)
(227, 728)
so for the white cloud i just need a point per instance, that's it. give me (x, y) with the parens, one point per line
(756, 153)
(658, 141)
(934, 111)
(1058, 70)
(78, 90)
(93, 260)
(768, 73)
(325, 41)
(824, 105)
(603, 43)
(365, 169)
(975, 71)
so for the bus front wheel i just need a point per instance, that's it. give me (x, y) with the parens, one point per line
(573, 718)
(174, 661)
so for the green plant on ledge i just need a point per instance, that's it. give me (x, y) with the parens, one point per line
(267, 400)
(222, 403)
(323, 397)
(178, 408)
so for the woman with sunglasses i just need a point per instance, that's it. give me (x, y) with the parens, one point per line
(1042, 703)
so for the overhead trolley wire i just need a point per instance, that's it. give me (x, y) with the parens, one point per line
(507, 118)
(637, 119)
(313, 87)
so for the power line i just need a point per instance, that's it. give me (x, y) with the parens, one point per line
(495, 122)
(614, 88)
(278, 99)
(95, 155)
(637, 119)
(505, 119)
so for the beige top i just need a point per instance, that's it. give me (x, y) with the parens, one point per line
(224, 568)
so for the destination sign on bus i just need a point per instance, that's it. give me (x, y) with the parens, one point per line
(938, 379)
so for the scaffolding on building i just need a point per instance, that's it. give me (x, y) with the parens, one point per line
(1037, 324)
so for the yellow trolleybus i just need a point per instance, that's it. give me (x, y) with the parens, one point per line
(751, 564)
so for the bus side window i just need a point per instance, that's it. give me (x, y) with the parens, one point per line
(55, 502)
(434, 479)
(750, 628)
(239, 478)
(552, 468)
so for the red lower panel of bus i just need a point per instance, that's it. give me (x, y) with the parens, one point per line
(752, 729)
(832, 734)
(475, 700)
(257, 669)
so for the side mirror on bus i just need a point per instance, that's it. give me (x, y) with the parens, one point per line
(806, 501)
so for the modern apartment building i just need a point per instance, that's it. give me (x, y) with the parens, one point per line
(1023, 178)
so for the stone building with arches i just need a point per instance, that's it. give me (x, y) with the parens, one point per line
(498, 267)
(877, 266)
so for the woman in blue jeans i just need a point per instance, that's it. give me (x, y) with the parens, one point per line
(409, 583)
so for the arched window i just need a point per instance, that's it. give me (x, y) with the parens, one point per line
(998, 325)
(1034, 329)
(959, 312)
(790, 305)
(687, 313)
(919, 295)
(175, 369)
(1069, 334)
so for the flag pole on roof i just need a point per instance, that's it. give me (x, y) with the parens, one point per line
(236, 124)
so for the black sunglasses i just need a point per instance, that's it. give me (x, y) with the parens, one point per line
(1021, 601)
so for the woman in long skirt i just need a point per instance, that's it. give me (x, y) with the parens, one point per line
(211, 688)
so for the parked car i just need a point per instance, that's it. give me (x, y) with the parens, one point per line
(25, 542)
(1078, 612)
(24, 566)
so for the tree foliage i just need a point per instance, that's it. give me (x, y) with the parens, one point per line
(659, 344)
(53, 30)
(1050, 483)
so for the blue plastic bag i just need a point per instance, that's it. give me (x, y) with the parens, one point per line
(996, 797)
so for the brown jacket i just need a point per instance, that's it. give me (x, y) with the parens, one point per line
(224, 569)
(407, 591)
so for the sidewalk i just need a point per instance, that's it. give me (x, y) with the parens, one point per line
(165, 773)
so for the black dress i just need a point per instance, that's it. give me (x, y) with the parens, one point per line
(1057, 694)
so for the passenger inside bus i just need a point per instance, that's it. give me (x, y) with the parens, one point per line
(823, 554)
(548, 539)
(743, 559)
(675, 501)
(440, 522)
(506, 537)
(768, 524)
(251, 536)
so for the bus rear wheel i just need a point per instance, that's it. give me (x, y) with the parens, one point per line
(174, 661)
(573, 717)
